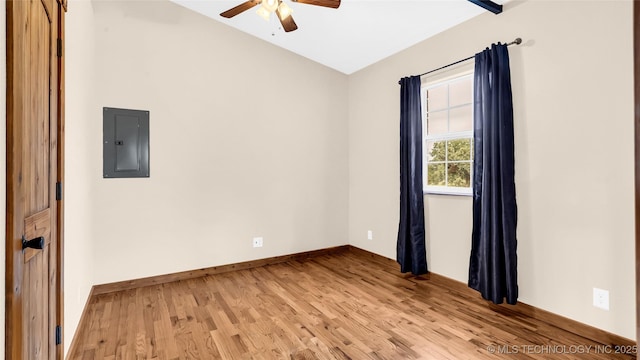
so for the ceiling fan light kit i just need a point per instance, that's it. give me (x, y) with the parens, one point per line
(264, 13)
(270, 5)
(282, 10)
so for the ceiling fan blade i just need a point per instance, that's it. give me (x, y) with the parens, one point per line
(240, 8)
(326, 3)
(287, 23)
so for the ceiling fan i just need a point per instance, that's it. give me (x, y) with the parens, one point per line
(279, 7)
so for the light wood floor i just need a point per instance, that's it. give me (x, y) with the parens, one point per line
(339, 306)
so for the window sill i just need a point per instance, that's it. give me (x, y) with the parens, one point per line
(450, 193)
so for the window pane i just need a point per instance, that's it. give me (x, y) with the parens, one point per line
(473, 151)
(435, 175)
(460, 119)
(437, 150)
(448, 135)
(459, 150)
(437, 122)
(459, 174)
(437, 98)
(460, 92)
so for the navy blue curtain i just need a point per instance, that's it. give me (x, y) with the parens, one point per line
(411, 250)
(493, 263)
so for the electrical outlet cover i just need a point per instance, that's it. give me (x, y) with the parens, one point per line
(601, 299)
(257, 242)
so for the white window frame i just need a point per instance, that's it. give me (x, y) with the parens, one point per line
(444, 190)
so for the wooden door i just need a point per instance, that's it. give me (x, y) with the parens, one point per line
(33, 281)
(636, 67)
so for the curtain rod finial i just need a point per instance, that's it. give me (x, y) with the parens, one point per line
(518, 41)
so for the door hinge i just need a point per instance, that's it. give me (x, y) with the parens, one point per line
(59, 43)
(58, 335)
(58, 191)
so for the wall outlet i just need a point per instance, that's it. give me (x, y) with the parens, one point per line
(601, 299)
(369, 235)
(257, 242)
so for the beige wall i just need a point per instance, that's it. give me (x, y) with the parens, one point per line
(80, 108)
(572, 88)
(246, 140)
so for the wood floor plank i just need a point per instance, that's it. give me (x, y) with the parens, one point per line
(340, 305)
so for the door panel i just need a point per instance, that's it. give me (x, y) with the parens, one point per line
(33, 286)
(37, 179)
(37, 129)
(636, 66)
(37, 225)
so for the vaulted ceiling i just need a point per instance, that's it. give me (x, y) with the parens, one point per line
(357, 34)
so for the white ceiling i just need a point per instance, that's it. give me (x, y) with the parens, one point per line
(357, 34)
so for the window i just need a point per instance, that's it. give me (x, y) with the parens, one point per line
(448, 135)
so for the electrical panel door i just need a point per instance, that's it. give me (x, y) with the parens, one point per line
(125, 143)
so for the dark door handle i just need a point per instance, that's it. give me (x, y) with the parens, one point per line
(37, 243)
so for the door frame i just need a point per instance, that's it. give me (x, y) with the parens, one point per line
(636, 87)
(13, 314)
(62, 9)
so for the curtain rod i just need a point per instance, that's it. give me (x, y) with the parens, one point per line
(517, 41)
